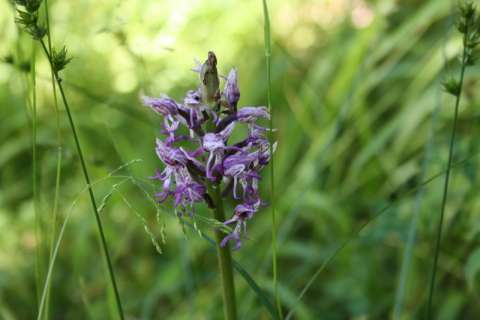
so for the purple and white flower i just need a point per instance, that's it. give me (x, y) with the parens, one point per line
(216, 145)
(252, 114)
(231, 91)
(193, 162)
(242, 213)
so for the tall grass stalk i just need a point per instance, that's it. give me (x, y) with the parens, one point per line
(364, 225)
(447, 177)
(61, 233)
(58, 169)
(38, 224)
(39, 232)
(101, 233)
(268, 53)
(411, 237)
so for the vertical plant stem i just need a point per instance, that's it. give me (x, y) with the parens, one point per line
(90, 189)
(58, 132)
(445, 186)
(408, 253)
(268, 52)
(411, 238)
(224, 259)
(38, 240)
(58, 170)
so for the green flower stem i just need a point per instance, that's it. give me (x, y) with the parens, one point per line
(447, 178)
(87, 180)
(224, 259)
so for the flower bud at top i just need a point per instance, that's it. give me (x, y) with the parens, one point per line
(231, 91)
(209, 79)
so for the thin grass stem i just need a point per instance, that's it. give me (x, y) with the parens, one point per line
(268, 53)
(446, 182)
(38, 223)
(411, 237)
(59, 239)
(364, 225)
(90, 189)
(58, 170)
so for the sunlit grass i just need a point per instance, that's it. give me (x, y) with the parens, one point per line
(352, 104)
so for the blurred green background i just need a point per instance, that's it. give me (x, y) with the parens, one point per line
(362, 120)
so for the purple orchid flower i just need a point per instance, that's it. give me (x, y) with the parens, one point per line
(237, 167)
(168, 108)
(252, 114)
(170, 156)
(215, 144)
(204, 157)
(231, 91)
(243, 212)
(189, 192)
(164, 105)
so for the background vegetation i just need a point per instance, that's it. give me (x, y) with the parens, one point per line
(362, 122)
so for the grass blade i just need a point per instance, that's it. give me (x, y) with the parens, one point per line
(408, 253)
(98, 220)
(38, 220)
(268, 53)
(361, 228)
(51, 264)
(447, 175)
(58, 170)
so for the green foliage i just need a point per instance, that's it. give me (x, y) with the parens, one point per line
(468, 27)
(472, 269)
(353, 91)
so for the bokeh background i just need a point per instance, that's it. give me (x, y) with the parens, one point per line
(362, 120)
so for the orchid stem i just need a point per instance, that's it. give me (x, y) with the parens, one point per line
(224, 259)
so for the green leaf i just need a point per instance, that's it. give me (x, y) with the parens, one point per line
(472, 268)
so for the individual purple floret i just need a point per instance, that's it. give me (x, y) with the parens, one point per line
(252, 114)
(196, 152)
(243, 212)
(231, 91)
(164, 106)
